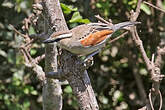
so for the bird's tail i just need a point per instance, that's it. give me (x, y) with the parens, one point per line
(124, 24)
(114, 27)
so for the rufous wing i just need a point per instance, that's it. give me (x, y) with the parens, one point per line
(95, 38)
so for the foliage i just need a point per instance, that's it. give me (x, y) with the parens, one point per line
(113, 74)
(17, 92)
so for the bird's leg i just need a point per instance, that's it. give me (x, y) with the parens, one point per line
(88, 61)
(91, 55)
(57, 75)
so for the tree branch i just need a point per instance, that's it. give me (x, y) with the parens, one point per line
(151, 66)
(72, 67)
(154, 6)
(52, 92)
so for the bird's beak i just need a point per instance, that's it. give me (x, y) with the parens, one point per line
(49, 40)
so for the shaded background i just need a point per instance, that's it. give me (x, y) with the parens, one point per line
(117, 72)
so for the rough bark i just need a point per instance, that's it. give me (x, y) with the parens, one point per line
(74, 71)
(52, 93)
(72, 67)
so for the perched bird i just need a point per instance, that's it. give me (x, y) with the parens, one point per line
(86, 39)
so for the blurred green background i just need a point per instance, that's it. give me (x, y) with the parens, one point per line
(117, 69)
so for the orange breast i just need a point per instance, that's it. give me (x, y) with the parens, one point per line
(96, 37)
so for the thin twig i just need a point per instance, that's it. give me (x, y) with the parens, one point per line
(101, 19)
(155, 76)
(31, 41)
(32, 63)
(150, 66)
(138, 7)
(152, 61)
(160, 96)
(39, 58)
(17, 31)
(154, 6)
(136, 14)
(153, 57)
(28, 54)
(150, 99)
(117, 38)
(26, 58)
(29, 61)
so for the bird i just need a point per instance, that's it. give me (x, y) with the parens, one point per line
(87, 39)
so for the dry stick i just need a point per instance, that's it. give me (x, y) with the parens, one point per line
(36, 68)
(52, 92)
(153, 57)
(138, 42)
(27, 54)
(29, 42)
(149, 64)
(158, 65)
(26, 58)
(154, 6)
(29, 61)
(101, 19)
(17, 31)
(137, 10)
(39, 58)
(150, 99)
(161, 101)
(71, 65)
(160, 52)
(23, 35)
(117, 38)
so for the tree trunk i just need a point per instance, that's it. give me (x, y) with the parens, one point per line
(72, 67)
(52, 93)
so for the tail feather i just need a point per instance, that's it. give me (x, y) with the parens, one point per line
(115, 27)
(124, 24)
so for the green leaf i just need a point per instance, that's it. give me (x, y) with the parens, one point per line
(98, 5)
(163, 4)
(11, 56)
(26, 90)
(34, 92)
(33, 51)
(104, 100)
(7, 102)
(78, 18)
(68, 89)
(6, 97)
(117, 96)
(132, 2)
(7, 4)
(19, 60)
(84, 21)
(143, 71)
(67, 9)
(145, 8)
(17, 83)
(31, 30)
(18, 8)
(26, 104)
(2, 87)
(1, 96)
(3, 53)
